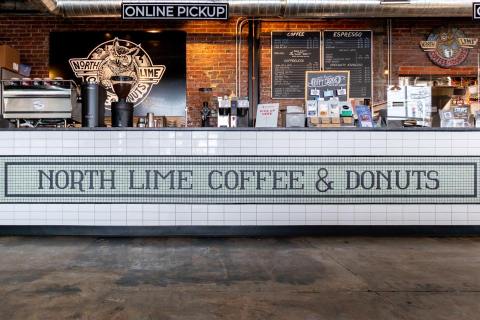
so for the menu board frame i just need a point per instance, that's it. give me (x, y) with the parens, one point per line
(347, 72)
(320, 49)
(371, 56)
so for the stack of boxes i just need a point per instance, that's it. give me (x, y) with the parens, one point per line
(332, 113)
(9, 58)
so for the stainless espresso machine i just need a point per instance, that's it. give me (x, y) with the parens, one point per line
(41, 102)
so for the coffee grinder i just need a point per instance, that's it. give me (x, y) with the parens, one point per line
(206, 96)
(224, 110)
(243, 107)
(122, 111)
(233, 112)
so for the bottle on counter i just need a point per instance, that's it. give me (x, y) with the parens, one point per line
(141, 122)
(150, 120)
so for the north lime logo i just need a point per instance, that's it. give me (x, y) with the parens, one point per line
(448, 47)
(119, 57)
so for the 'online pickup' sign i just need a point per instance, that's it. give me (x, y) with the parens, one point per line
(476, 11)
(175, 11)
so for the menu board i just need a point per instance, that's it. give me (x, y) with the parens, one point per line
(293, 53)
(350, 50)
(327, 85)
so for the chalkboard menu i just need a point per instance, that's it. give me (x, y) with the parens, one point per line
(293, 53)
(327, 85)
(350, 50)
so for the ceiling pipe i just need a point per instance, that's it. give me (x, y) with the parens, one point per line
(286, 8)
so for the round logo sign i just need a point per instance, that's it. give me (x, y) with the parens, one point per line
(447, 47)
(119, 57)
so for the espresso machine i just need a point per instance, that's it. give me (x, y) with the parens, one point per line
(39, 102)
(122, 111)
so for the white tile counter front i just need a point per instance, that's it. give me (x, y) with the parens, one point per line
(200, 142)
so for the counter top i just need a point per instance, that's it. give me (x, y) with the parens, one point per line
(350, 129)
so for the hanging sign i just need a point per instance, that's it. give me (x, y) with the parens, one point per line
(174, 11)
(476, 11)
(448, 47)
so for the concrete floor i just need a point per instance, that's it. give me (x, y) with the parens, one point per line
(281, 278)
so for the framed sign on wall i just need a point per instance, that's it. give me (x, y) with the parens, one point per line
(352, 51)
(293, 53)
(327, 85)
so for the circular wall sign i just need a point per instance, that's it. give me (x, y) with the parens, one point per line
(448, 51)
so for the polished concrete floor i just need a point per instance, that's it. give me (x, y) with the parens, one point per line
(273, 278)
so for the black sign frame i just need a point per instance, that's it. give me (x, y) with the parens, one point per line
(308, 96)
(320, 48)
(371, 57)
(175, 5)
(476, 10)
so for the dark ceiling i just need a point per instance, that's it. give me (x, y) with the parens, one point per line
(21, 7)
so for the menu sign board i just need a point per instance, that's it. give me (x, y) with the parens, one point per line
(350, 50)
(327, 85)
(293, 53)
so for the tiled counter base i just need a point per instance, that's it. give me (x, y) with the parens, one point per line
(442, 166)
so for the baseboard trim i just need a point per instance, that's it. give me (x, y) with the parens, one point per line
(239, 231)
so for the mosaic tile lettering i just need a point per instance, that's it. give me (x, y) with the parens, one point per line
(240, 179)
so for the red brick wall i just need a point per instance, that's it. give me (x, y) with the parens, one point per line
(211, 48)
